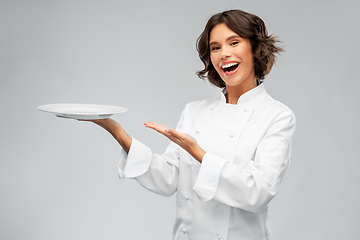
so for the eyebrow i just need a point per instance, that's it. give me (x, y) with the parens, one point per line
(228, 39)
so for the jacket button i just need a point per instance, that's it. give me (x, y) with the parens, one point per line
(245, 110)
(187, 196)
(231, 134)
(197, 131)
(184, 230)
(219, 236)
(211, 107)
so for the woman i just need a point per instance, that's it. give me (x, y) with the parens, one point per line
(228, 154)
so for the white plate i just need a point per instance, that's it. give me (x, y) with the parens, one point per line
(81, 111)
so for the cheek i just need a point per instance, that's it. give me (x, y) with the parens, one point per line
(248, 58)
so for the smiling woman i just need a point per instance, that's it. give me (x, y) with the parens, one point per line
(242, 25)
(229, 154)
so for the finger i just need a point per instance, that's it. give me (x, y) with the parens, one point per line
(172, 134)
(151, 125)
(157, 127)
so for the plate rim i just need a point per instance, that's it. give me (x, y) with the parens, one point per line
(108, 109)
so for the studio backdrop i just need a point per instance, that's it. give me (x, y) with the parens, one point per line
(58, 177)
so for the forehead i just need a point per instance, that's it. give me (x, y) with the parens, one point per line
(221, 32)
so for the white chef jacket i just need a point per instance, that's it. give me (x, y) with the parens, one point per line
(248, 150)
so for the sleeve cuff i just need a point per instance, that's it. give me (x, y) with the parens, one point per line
(136, 162)
(208, 178)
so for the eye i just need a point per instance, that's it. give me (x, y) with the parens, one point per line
(234, 43)
(215, 48)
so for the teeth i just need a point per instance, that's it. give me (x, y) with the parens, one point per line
(229, 65)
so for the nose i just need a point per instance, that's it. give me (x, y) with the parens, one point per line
(225, 53)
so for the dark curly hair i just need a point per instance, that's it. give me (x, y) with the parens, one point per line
(246, 25)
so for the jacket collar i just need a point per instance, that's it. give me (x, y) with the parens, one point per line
(248, 97)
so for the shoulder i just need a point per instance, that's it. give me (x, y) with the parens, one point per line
(275, 106)
(193, 110)
(276, 119)
(273, 110)
(197, 106)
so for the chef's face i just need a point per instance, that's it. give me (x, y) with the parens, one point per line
(231, 56)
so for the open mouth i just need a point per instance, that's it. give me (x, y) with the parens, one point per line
(230, 68)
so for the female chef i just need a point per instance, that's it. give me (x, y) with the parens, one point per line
(229, 154)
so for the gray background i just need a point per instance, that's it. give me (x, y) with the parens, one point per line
(58, 177)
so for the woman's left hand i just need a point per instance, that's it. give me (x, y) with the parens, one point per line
(187, 142)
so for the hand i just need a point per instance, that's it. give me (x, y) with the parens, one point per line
(187, 142)
(106, 123)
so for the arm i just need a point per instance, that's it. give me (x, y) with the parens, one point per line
(115, 129)
(158, 173)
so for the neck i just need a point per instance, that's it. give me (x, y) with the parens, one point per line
(235, 92)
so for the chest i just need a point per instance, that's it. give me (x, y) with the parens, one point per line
(230, 132)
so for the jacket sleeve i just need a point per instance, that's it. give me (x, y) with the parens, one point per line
(158, 173)
(252, 187)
